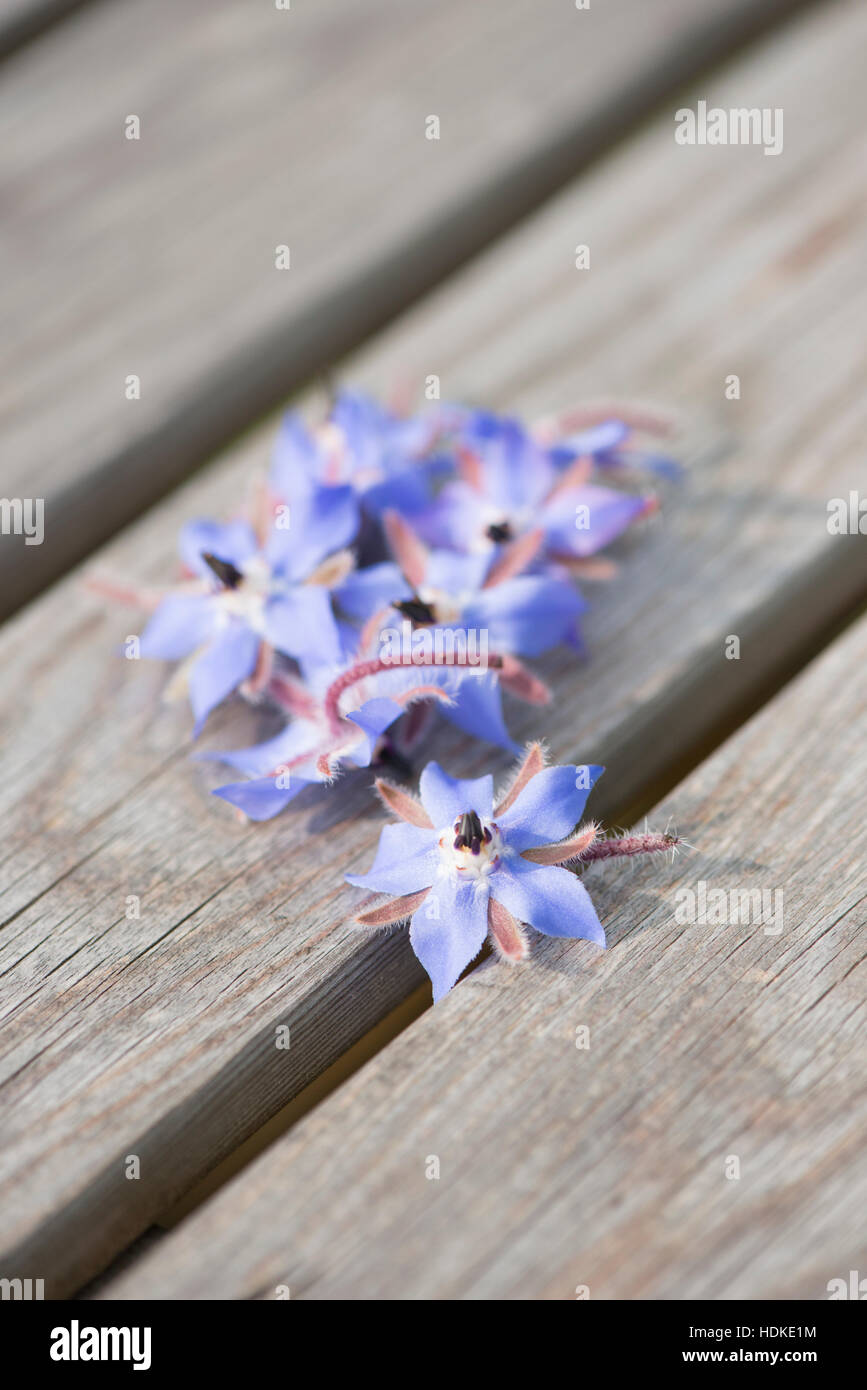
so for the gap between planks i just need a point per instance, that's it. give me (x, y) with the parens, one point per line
(156, 1036)
(22, 21)
(179, 229)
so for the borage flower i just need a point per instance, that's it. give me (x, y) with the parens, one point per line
(338, 720)
(511, 486)
(521, 614)
(368, 456)
(255, 590)
(462, 867)
(607, 436)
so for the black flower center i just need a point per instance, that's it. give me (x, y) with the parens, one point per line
(229, 576)
(469, 833)
(416, 610)
(499, 531)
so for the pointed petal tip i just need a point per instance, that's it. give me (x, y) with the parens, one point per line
(561, 853)
(404, 806)
(508, 936)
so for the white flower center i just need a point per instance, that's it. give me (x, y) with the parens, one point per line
(491, 514)
(247, 600)
(447, 608)
(470, 847)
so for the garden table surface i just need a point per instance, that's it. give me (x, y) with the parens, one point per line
(708, 1140)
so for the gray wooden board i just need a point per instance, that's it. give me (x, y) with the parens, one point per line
(21, 21)
(155, 1036)
(703, 1139)
(262, 128)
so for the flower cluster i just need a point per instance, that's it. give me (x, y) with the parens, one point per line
(390, 566)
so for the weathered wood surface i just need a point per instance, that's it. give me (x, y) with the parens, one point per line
(156, 1036)
(23, 20)
(262, 128)
(703, 1139)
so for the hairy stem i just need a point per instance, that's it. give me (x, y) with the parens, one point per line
(375, 666)
(625, 845)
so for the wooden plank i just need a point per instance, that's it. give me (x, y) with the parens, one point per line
(21, 21)
(260, 128)
(706, 1141)
(155, 1036)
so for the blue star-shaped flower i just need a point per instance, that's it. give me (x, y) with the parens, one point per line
(462, 868)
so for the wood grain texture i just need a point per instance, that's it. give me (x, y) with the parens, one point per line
(611, 1164)
(155, 1036)
(262, 128)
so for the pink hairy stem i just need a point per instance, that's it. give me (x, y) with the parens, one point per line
(585, 417)
(592, 568)
(371, 627)
(261, 676)
(376, 666)
(293, 696)
(627, 845)
(149, 599)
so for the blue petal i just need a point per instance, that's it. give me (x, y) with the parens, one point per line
(455, 519)
(301, 624)
(233, 541)
(406, 860)
(408, 493)
(262, 799)
(551, 899)
(296, 455)
(444, 798)
(449, 930)
(477, 709)
(596, 440)
(325, 520)
(517, 473)
(228, 660)
(291, 743)
(609, 514)
(455, 573)
(549, 806)
(366, 591)
(182, 623)
(527, 615)
(373, 717)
